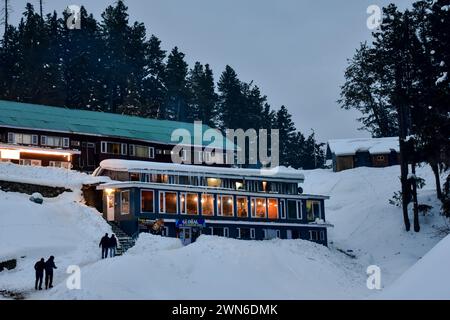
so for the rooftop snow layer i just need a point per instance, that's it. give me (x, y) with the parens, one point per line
(137, 166)
(342, 147)
(35, 117)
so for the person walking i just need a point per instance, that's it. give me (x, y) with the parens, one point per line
(112, 246)
(39, 268)
(104, 244)
(49, 266)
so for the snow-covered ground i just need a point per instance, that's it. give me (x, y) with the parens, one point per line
(218, 268)
(368, 225)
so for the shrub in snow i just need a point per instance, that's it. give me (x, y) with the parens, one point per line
(37, 198)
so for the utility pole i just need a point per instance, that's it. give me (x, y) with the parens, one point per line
(40, 7)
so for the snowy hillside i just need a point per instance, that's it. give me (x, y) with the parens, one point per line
(218, 268)
(368, 225)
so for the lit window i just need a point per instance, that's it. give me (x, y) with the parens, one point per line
(125, 202)
(225, 206)
(189, 203)
(142, 151)
(273, 209)
(213, 182)
(313, 210)
(147, 201)
(207, 205)
(259, 208)
(242, 207)
(168, 202)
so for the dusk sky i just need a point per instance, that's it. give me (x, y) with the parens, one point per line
(294, 50)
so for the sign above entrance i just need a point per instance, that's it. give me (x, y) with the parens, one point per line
(191, 223)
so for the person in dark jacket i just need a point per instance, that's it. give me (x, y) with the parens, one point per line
(104, 244)
(39, 267)
(49, 266)
(112, 246)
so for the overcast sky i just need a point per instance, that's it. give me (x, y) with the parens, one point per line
(294, 50)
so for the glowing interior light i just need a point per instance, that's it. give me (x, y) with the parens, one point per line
(109, 191)
(230, 201)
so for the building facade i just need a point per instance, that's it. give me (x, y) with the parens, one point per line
(186, 201)
(353, 153)
(50, 136)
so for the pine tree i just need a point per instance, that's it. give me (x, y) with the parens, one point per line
(230, 100)
(116, 32)
(177, 93)
(203, 96)
(83, 65)
(289, 141)
(153, 82)
(362, 91)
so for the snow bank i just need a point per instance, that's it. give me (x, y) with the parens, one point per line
(220, 268)
(427, 279)
(48, 176)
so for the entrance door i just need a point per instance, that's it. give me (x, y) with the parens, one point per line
(186, 235)
(110, 207)
(289, 234)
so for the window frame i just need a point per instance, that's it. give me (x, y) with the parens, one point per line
(213, 206)
(237, 207)
(254, 208)
(320, 210)
(153, 204)
(65, 142)
(163, 193)
(122, 212)
(282, 208)
(220, 206)
(183, 206)
(277, 208)
(299, 209)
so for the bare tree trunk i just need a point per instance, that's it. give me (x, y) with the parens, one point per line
(414, 195)
(437, 177)
(6, 17)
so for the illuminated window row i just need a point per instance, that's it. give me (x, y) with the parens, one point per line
(172, 202)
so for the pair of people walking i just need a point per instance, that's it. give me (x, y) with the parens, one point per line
(108, 245)
(48, 267)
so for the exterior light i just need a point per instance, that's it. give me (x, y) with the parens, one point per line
(109, 191)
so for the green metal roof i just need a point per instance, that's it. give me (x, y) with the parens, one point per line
(32, 116)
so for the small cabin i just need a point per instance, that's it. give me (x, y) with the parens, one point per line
(185, 201)
(353, 153)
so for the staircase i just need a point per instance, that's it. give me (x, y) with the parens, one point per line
(125, 242)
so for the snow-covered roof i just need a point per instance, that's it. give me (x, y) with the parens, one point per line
(140, 166)
(342, 147)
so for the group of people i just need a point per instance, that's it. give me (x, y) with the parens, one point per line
(108, 245)
(48, 267)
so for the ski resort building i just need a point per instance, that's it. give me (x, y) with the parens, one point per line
(40, 135)
(186, 201)
(373, 152)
